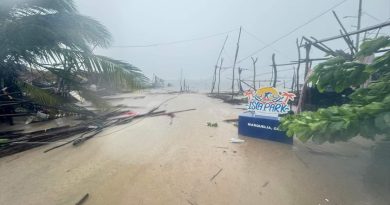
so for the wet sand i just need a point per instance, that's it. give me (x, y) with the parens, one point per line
(182, 161)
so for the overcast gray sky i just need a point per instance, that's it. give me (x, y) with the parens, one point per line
(144, 22)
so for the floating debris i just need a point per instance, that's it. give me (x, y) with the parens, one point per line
(236, 140)
(212, 124)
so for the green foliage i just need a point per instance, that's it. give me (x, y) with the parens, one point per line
(51, 100)
(369, 47)
(3, 141)
(94, 99)
(40, 96)
(368, 113)
(51, 35)
(339, 74)
(115, 73)
(376, 91)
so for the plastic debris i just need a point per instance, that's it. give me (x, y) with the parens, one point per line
(212, 124)
(236, 140)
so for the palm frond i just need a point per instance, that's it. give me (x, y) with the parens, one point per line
(51, 101)
(40, 96)
(113, 73)
(116, 73)
(95, 99)
(13, 7)
(52, 35)
(53, 32)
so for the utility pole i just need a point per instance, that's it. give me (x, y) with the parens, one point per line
(181, 79)
(184, 86)
(239, 79)
(216, 65)
(298, 67)
(359, 23)
(235, 60)
(219, 74)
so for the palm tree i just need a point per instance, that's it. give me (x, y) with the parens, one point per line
(52, 37)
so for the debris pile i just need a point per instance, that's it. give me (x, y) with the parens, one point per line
(12, 142)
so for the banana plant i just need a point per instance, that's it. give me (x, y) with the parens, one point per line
(367, 114)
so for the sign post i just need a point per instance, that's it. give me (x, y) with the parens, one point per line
(261, 120)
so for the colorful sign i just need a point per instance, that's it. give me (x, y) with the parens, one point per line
(269, 100)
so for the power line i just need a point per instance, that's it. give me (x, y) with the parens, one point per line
(264, 43)
(174, 42)
(292, 31)
(228, 55)
(372, 16)
(265, 73)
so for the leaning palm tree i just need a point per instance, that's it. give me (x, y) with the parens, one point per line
(52, 37)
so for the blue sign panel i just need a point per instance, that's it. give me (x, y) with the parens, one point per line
(262, 127)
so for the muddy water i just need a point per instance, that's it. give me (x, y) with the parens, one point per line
(182, 161)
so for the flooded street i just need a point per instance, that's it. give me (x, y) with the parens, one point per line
(153, 102)
(180, 160)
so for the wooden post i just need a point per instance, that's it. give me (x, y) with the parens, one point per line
(348, 44)
(275, 71)
(254, 61)
(235, 60)
(181, 80)
(307, 59)
(377, 33)
(219, 74)
(216, 65)
(359, 24)
(293, 80)
(214, 78)
(307, 67)
(298, 67)
(184, 85)
(347, 38)
(239, 79)
(321, 47)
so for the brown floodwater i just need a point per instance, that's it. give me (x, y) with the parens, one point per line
(160, 160)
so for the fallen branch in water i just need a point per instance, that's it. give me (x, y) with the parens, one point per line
(215, 175)
(12, 142)
(82, 200)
